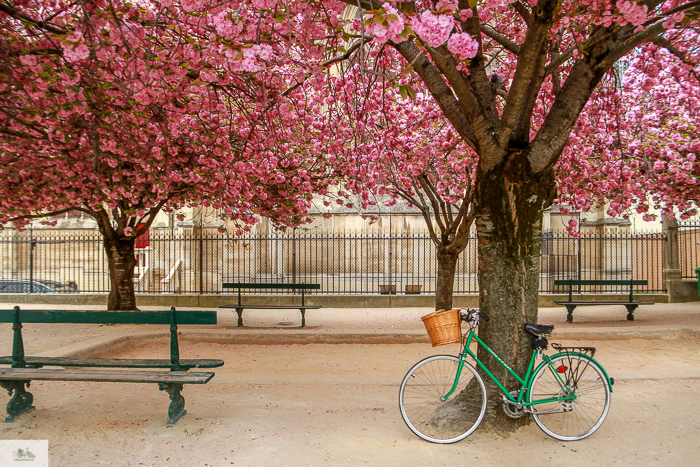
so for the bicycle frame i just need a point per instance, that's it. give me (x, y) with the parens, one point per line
(524, 383)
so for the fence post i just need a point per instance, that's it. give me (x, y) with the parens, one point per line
(674, 283)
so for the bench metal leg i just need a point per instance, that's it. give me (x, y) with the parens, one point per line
(177, 405)
(21, 401)
(303, 318)
(240, 316)
(630, 311)
(570, 313)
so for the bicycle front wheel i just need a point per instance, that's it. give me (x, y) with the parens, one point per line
(422, 405)
(572, 419)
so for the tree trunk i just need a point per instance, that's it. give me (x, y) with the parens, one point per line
(122, 261)
(510, 204)
(447, 265)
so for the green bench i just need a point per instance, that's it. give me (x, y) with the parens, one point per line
(25, 369)
(246, 285)
(631, 304)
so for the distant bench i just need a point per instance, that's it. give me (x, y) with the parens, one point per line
(246, 285)
(26, 369)
(631, 304)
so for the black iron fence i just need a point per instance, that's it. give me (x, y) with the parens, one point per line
(689, 254)
(342, 263)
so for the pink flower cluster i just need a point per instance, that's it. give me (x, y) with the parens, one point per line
(192, 5)
(390, 30)
(672, 20)
(462, 46)
(265, 4)
(433, 29)
(633, 12)
(225, 27)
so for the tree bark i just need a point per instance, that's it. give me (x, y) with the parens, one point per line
(447, 265)
(510, 204)
(121, 260)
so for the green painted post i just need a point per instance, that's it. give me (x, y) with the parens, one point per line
(697, 271)
(174, 347)
(17, 342)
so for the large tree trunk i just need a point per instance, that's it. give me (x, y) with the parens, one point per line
(510, 204)
(122, 261)
(447, 265)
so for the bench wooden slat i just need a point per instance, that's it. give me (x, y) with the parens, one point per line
(110, 317)
(248, 285)
(600, 282)
(601, 302)
(106, 376)
(114, 362)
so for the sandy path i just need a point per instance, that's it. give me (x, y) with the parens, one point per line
(315, 404)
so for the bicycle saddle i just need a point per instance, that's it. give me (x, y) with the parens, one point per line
(539, 329)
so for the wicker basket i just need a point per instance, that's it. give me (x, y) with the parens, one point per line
(443, 327)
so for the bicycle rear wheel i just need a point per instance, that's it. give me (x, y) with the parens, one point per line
(434, 419)
(570, 420)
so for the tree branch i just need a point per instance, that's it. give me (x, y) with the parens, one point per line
(442, 93)
(507, 44)
(423, 180)
(51, 51)
(531, 49)
(10, 11)
(53, 213)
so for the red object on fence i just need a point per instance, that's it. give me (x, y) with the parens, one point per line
(141, 240)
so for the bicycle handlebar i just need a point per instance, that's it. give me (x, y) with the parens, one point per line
(473, 312)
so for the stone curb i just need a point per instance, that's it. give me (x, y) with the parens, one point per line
(105, 344)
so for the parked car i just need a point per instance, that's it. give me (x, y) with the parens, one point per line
(39, 286)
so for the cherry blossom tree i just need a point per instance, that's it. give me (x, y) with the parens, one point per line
(552, 55)
(397, 144)
(121, 109)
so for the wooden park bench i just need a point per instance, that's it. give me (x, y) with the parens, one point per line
(244, 285)
(631, 304)
(26, 369)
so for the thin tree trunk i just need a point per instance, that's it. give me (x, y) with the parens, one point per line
(447, 265)
(122, 261)
(509, 228)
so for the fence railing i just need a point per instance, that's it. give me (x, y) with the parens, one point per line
(342, 263)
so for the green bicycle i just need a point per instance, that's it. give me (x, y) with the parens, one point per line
(443, 397)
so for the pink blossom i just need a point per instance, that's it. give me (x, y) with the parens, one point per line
(28, 59)
(672, 20)
(433, 30)
(264, 4)
(633, 12)
(75, 54)
(225, 27)
(192, 5)
(389, 31)
(465, 14)
(463, 46)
